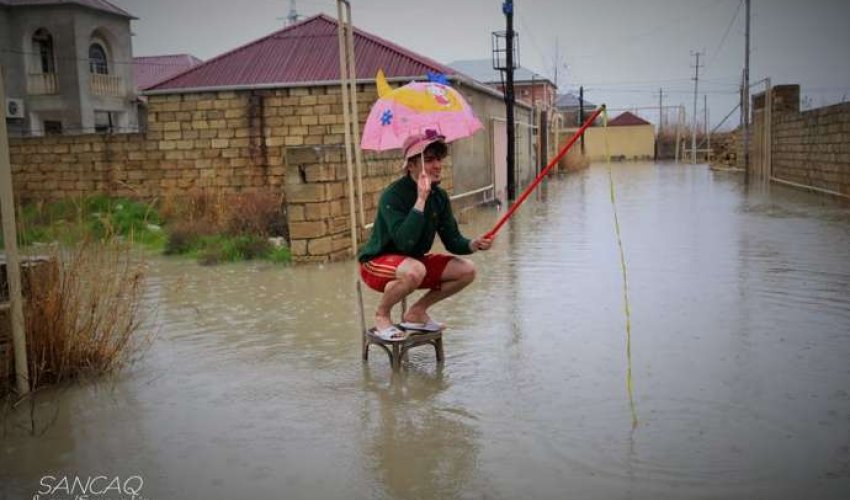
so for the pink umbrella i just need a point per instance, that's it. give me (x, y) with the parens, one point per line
(415, 108)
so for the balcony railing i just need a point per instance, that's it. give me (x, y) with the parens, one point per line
(106, 85)
(42, 84)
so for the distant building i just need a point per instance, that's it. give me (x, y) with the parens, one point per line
(66, 67)
(570, 107)
(627, 119)
(529, 87)
(150, 70)
(304, 57)
(627, 137)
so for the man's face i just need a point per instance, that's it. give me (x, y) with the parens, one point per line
(433, 167)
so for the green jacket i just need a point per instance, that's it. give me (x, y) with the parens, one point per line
(400, 229)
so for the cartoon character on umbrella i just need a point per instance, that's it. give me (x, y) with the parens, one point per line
(421, 118)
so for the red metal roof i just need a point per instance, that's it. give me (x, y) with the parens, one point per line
(627, 118)
(101, 5)
(304, 52)
(150, 70)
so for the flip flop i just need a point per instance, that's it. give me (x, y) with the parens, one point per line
(390, 334)
(430, 326)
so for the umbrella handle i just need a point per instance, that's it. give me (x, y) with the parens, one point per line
(542, 174)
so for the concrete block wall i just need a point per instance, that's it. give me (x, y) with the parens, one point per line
(232, 141)
(57, 167)
(288, 139)
(316, 191)
(813, 148)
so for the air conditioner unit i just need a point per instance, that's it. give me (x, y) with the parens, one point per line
(14, 108)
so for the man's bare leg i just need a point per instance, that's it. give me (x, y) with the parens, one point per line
(409, 274)
(456, 276)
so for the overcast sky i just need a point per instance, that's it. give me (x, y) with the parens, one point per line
(622, 51)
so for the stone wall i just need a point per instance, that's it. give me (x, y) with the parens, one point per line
(813, 148)
(285, 139)
(318, 207)
(232, 141)
(810, 148)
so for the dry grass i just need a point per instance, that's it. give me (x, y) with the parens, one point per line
(573, 160)
(200, 205)
(256, 212)
(83, 311)
(217, 227)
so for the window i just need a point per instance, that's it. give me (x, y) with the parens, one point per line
(97, 60)
(52, 127)
(103, 122)
(42, 42)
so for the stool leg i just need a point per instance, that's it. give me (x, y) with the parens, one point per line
(438, 346)
(396, 357)
(365, 347)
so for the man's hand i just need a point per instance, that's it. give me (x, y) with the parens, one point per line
(423, 185)
(481, 243)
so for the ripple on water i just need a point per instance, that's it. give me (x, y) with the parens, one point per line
(685, 442)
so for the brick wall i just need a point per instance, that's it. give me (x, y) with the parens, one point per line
(286, 139)
(810, 148)
(318, 204)
(813, 148)
(227, 140)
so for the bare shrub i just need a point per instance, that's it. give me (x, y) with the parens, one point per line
(256, 213)
(218, 227)
(573, 160)
(184, 236)
(198, 205)
(83, 311)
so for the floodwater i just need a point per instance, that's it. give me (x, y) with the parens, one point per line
(740, 363)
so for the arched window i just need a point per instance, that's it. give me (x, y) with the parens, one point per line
(97, 59)
(42, 42)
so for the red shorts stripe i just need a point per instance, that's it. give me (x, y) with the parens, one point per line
(379, 271)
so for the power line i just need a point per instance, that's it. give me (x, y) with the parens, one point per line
(728, 28)
(86, 59)
(655, 92)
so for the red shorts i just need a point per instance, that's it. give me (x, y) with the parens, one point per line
(382, 269)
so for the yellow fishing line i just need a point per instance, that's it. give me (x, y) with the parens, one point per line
(629, 386)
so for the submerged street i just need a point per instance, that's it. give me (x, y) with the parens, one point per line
(252, 386)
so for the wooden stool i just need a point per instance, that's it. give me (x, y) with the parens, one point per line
(397, 349)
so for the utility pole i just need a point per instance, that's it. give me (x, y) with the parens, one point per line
(557, 62)
(660, 111)
(680, 112)
(745, 93)
(694, 126)
(581, 113)
(292, 16)
(508, 10)
(13, 266)
(660, 124)
(705, 125)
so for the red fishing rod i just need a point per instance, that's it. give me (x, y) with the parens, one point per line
(543, 173)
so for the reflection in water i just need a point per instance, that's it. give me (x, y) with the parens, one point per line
(253, 386)
(626, 308)
(416, 446)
